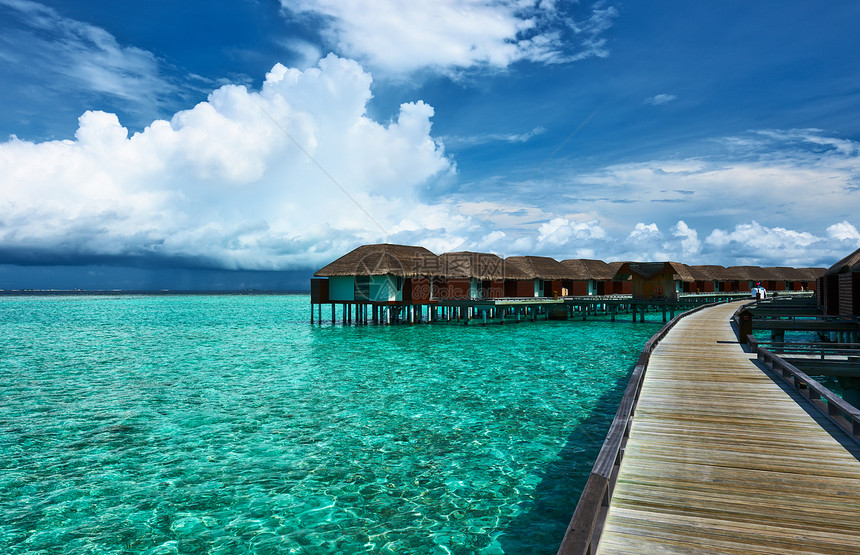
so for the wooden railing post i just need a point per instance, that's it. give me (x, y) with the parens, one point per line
(841, 413)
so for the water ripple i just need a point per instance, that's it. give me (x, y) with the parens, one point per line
(230, 425)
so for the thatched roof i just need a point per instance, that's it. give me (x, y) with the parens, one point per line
(811, 274)
(739, 273)
(584, 268)
(538, 267)
(850, 263)
(478, 265)
(753, 273)
(787, 273)
(682, 271)
(649, 269)
(384, 260)
(412, 261)
(613, 270)
(709, 272)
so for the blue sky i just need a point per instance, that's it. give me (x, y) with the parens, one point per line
(250, 140)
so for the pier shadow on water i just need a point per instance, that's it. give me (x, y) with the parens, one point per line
(541, 525)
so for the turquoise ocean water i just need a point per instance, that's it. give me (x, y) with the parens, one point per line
(229, 424)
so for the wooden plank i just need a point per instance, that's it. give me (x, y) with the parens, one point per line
(720, 458)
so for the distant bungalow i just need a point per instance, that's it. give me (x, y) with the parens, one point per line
(840, 288)
(387, 274)
(380, 274)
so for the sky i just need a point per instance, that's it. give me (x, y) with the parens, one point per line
(222, 145)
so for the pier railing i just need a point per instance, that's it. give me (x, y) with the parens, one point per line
(840, 412)
(843, 414)
(583, 532)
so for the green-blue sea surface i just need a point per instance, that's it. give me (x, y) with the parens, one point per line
(230, 424)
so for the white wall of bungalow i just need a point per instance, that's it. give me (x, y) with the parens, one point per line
(365, 288)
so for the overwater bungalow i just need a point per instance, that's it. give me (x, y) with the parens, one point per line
(392, 283)
(655, 280)
(811, 276)
(744, 278)
(839, 287)
(546, 274)
(382, 273)
(472, 275)
(793, 279)
(772, 278)
(615, 286)
(593, 277)
(708, 278)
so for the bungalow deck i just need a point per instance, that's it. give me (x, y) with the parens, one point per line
(513, 309)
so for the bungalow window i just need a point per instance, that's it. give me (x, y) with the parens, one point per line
(362, 288)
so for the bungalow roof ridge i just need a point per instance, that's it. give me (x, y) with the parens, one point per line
(383, 259)
(850, 263)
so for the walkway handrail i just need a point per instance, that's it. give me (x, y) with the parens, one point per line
(843, 414)
(821, 350)
(586, 525)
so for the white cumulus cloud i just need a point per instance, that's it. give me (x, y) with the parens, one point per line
(275, 178)
(755, 243)
(561, 231)
(690, 243)
(759, 236)
(645, 231)
(844, 231)
(401, 36)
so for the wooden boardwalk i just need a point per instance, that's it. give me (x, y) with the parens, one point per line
(723, 459)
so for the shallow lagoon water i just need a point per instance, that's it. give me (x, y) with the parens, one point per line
(229, 424)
